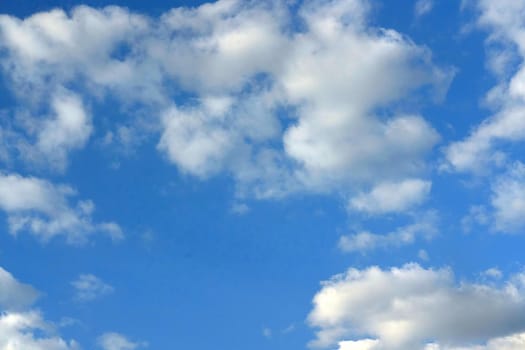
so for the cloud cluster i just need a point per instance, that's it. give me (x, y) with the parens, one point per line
(506, 50)
(46, 210)
(236, 87)
(18, 332)
(508, 199)
(413, 308)
(22, 327)
(504, 213)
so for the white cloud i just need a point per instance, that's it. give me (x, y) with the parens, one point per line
(116, 341)
(196, 143)
(28, 330)
(392, 197)
(504, 213)
(45, 210)
(24, 328)
(493, 273)
(425, 227)
(46, 136)
(67, 130)
(364, 344)
(506, 47)
(89, 287)
(512, 342)
(337, 139)
(508, 200)
(20, 327)
(411, 307)
(245, 63)
(423, 7)
(478, 215)
(13, 294)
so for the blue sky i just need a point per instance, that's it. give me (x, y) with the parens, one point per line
(314, 174)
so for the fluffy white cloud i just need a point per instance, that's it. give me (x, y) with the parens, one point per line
(13, 294)
(28, 330)
(67, 130)
(24, 328)
(331, 77)
(45, 210)
(279, 109)
(46, 139)
(425, 227)
(508, 200)
(365, 344)
(115, 341)
(392, 197)
(49, 48)
(506, 54)
(410, 307)
(89, 287)
(20, 327)
(512, 342)
(504, 213)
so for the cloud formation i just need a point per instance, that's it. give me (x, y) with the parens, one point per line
(45, 210)
(22, 328)
(18, 331)
(481, 149)
(281, 109)
(13, 294)
(508, 200)
(410, 307)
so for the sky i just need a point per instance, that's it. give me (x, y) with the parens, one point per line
(275, 174)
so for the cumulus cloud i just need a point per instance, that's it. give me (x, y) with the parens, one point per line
(23, 328)
(392, 197)
(46, 210)
(67, 130)
(280, 109)
(89, 287)
(28, 330)
(504, 213)
(13, 294)
(116, 341)
(411, 307)
(508, 200)
(506, 52)
(512, 342)
(20, 327)
(425, 227)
